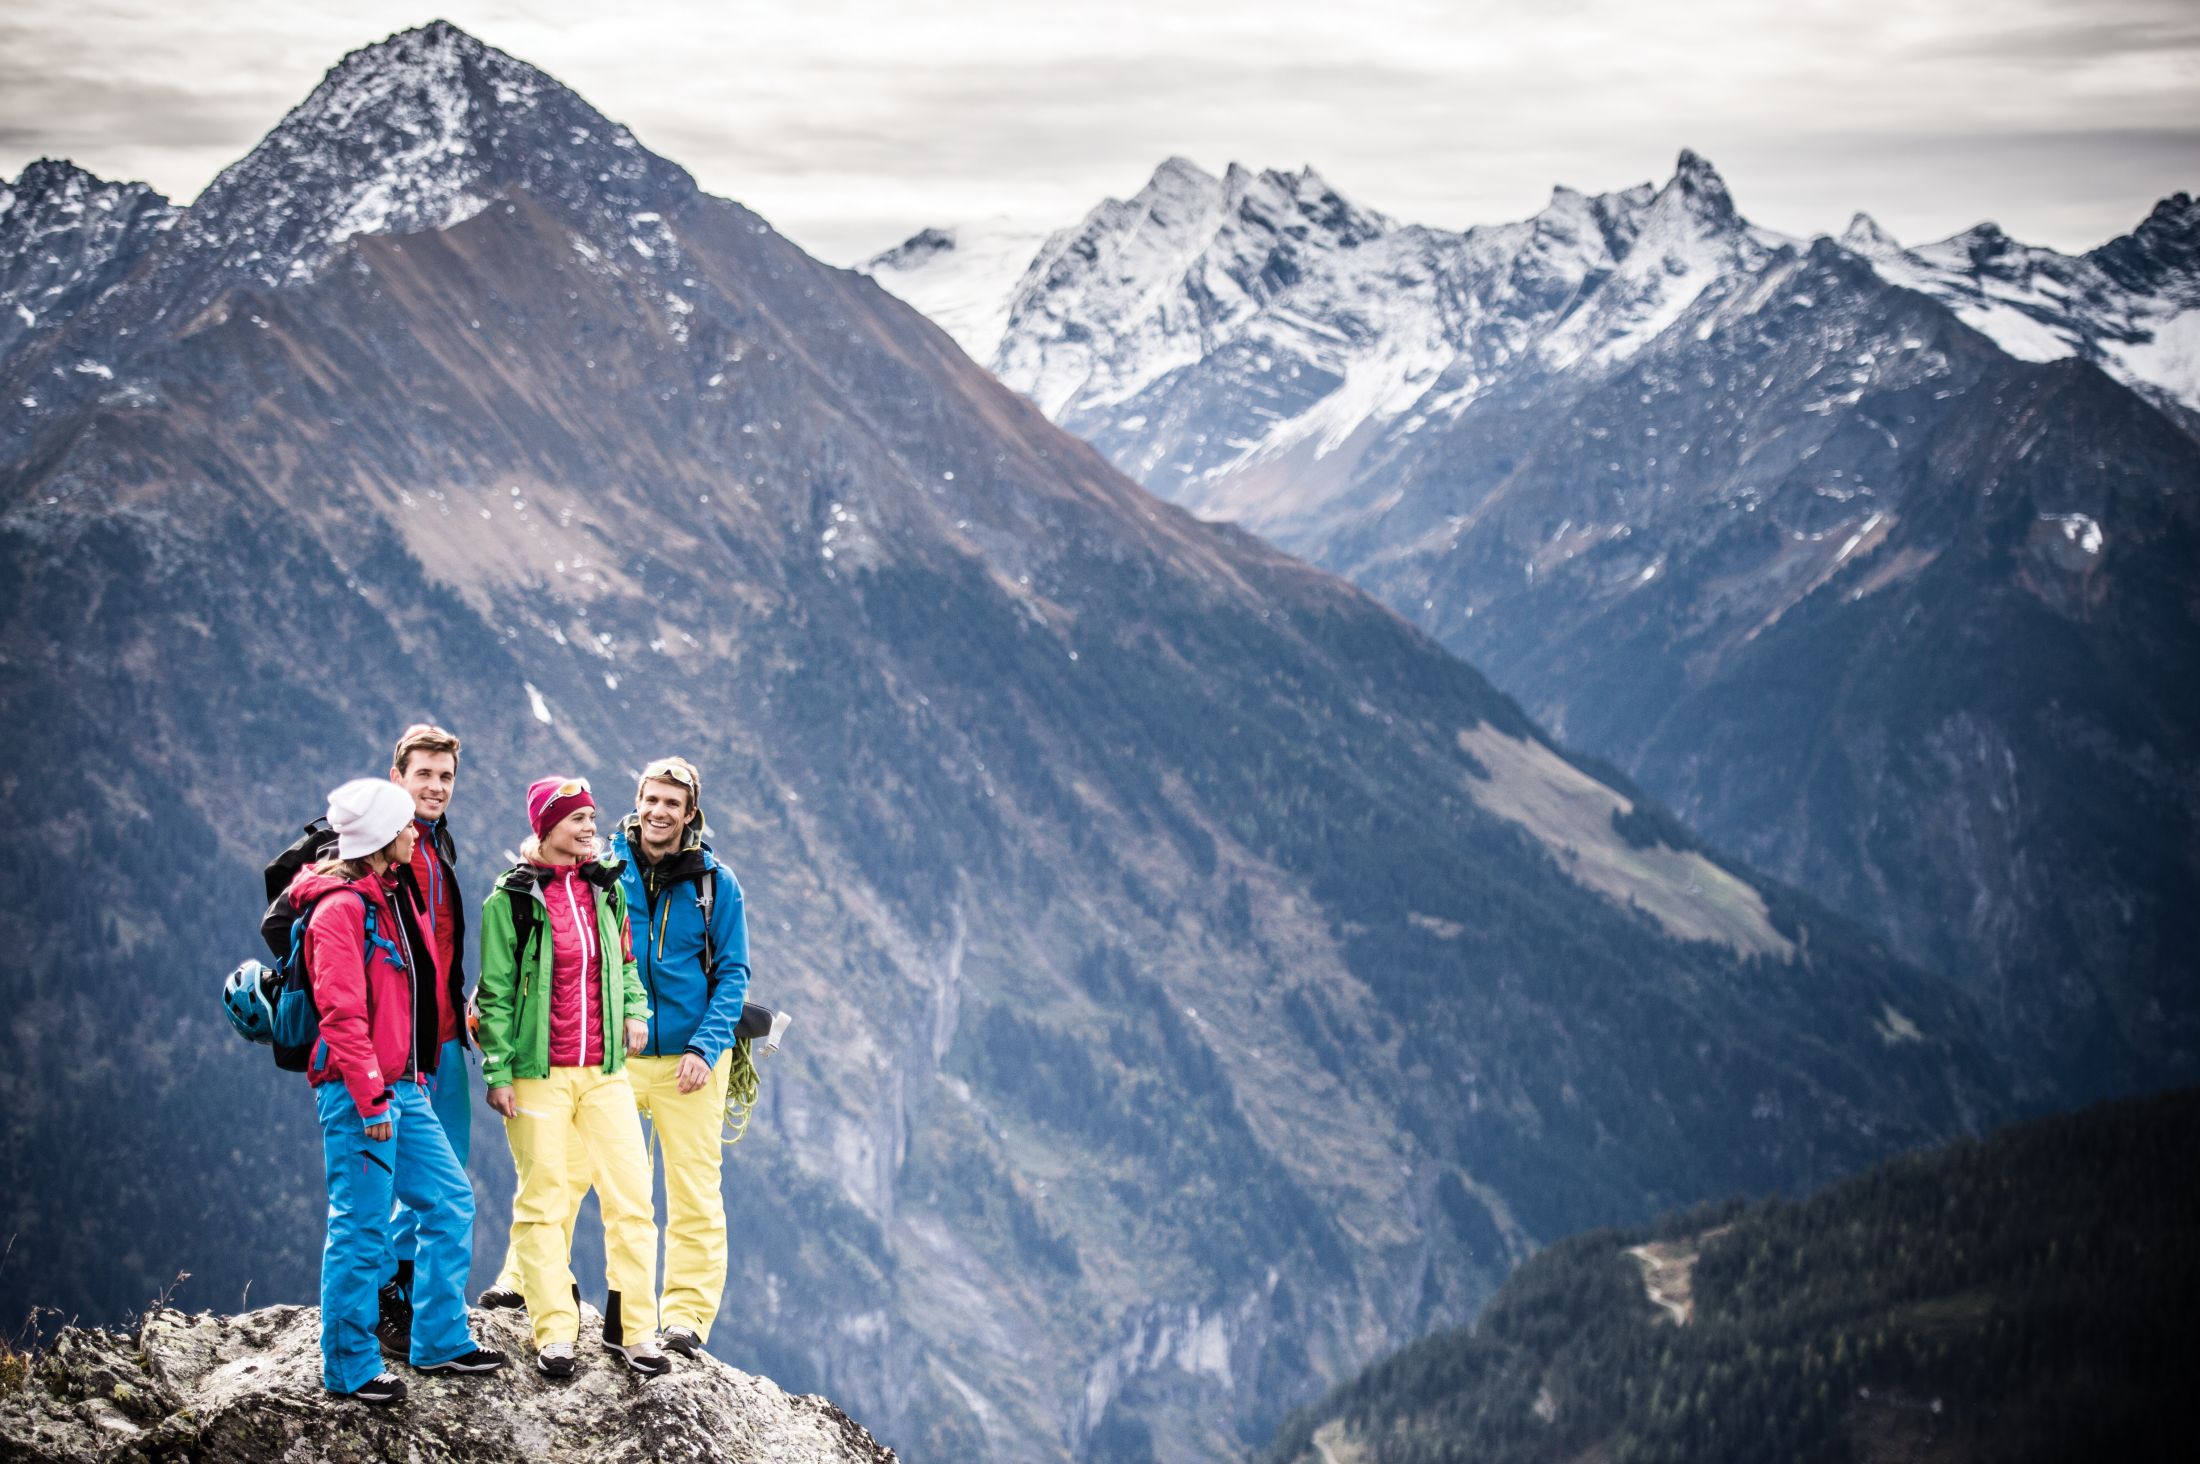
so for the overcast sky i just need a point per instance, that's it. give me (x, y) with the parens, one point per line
(852, 123)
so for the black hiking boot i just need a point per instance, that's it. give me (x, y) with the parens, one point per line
(381, 1390)
(480, 1360)
(642, 1354)
(394, 1328)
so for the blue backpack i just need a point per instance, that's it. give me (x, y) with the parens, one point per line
(274, 1005)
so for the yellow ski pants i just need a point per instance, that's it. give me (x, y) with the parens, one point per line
(581, 1121)
(687, 1128)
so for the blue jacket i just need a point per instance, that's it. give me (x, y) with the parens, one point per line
(690, 1009)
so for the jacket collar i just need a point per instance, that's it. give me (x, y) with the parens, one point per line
(439, 837)
(531, 877)
(692, 860)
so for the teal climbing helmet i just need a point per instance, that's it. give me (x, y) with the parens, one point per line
(245, 999)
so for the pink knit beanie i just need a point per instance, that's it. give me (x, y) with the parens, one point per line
(549, 800)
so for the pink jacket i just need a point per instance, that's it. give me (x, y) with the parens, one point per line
(364, 996)
(576, 969)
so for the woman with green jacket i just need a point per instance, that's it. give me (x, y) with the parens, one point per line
(561, 1006)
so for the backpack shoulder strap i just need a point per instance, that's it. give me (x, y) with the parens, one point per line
(297, 959)
(525, 921)
(706, 894)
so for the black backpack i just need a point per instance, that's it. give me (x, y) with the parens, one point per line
(317, 843)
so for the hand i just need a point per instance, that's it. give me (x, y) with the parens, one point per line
(637, 1035)
(379, 1131)
(502, 1101)
(694, 1072)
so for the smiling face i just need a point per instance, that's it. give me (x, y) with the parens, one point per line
(429, 778)
(572, 839)
(663, 807)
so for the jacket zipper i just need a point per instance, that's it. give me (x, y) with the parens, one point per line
(650, 964)
(580, 993)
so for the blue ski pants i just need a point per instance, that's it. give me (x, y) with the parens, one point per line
(413, 1164)
(450, 1091)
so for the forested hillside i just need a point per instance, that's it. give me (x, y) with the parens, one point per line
(2025, 1297)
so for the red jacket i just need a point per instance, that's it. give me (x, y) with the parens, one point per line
(364, 996)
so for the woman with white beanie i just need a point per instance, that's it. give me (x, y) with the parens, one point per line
(379, 1135)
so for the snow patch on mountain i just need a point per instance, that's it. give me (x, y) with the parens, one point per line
(419, 132)
(1153, 284)
(2132, 306)
(964, 279)
(1689, 239)
(66, 237)
(1259, 323)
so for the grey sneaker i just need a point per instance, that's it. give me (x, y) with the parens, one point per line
(681, 1340)
(501, 1296)
(645, 1357)
(555, 1361)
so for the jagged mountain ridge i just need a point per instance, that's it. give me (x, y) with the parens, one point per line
(66, 237)
(417, 133)
(1070, 338)
(1235, 343)
(1204, 980)
(2132, 305)
(1635, 458)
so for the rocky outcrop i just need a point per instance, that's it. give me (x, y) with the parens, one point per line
(211, 1387)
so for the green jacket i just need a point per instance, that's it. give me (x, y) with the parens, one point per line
(514, 995)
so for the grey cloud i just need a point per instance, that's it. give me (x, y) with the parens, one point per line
(2089, 37)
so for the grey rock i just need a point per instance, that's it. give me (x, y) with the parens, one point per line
(212, 1387)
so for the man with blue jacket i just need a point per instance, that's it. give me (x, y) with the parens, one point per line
(693, 952)
(691, 943)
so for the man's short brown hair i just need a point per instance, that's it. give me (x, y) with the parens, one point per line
(422, 737)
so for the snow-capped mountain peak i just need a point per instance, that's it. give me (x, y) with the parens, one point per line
(1866, 238)
(2132, 305)
(417, 132)
(2162, 255)
(65, 238)
(1143, 286)
(963, 278)
(1698, 183)
(1688, 237)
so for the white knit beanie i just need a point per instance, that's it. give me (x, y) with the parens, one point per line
(366, 814)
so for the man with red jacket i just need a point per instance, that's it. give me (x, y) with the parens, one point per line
(380, 1138)
(425, 765)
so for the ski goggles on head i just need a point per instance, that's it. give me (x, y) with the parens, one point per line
(571, 786)
(672, 770)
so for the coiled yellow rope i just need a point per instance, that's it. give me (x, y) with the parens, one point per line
(741, 1090)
